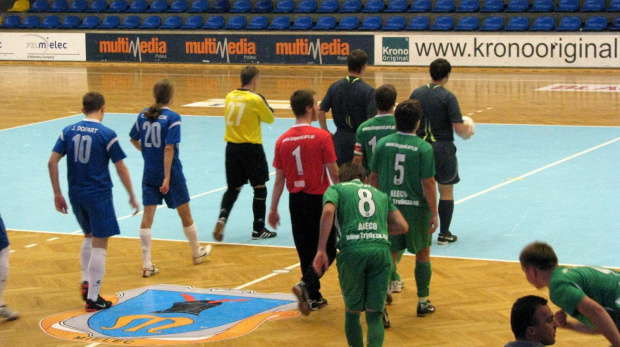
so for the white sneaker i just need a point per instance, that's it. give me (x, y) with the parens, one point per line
(203, 252)
(7, 313)
(150, 272)
(396, 286)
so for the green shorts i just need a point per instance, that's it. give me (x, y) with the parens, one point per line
(364, 274)
(417, 237)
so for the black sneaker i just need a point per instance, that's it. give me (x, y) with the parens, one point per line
(303, 302)
(84, 290)
(264, 234)
(100, 304)
(389, 298)
(317, 304)
(425, 309)
(386, 319)
(445, 239)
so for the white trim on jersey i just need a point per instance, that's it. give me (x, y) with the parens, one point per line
(111, 143)
(174, 124)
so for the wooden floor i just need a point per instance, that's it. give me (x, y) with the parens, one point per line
(473, 297)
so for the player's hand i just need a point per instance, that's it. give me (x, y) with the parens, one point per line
(273, 219)
(321, 262)
(434, 223)
(60, 203)
(165, 186)
(134, 204)
(560, 318)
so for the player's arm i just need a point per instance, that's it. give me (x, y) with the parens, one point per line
(265, 112)
(601, 319)
(430, 193)
(168, 156)
(278, 187)
(52, 166)
(332, 170)
(123, 174)
(136, 143)
(397, 224)
(323, 119)
(321, 261)
(374, 179)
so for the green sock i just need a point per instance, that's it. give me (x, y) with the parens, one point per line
(423, 274)
(394, 276)
(376, 332)
(353, 329)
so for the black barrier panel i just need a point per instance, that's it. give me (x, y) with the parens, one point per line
(242, 49)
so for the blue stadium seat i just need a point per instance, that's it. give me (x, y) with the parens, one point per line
(151, 22)
(520, 23)
(130, 22)
(374, 6)
(284, 6)
(518, 6)
(396, 23)
(545, 23)
(214, 22)
(329, 6)
(421, 23)
(69, 22)
(397, 6)
(263, 6)
(59, 6)
(567, 6)
(278, 23)
(351, 6)
(97, 6)
(178, 6)
(493, 23)
(172, 22)
(261, 23)
(39, 6)
(420, 6)
(236, 23)
(30, 22)
(325, 23)
(615, 25)
(443, 23)
(542, 6)
(593, 6)
(78, 6)
(302, 23)
(468, 24)
(306, 6)
(220, 6)
(569, 23)
(158, 6)
(241, 6)
(138, 6)
(596, 23)
(492, 6)
(372, 23)
(443, 6)
(11, 22)
(118, 6)
(50, 22)
(90, 22)
(348, 23)
(192, 22)
(614, 6)
(110, 22)
(469, 6)
(199, 6)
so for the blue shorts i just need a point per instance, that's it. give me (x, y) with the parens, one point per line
(177, 195)
(97, 217)
(4, 238)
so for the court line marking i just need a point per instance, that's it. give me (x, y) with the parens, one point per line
(266, 277)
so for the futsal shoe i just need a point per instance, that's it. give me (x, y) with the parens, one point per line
(203, 252)
(146, 272)
(303, 301)
(263, 234)
(396, 286)
(445, 239)
(317, 304)
(7, 313)
(218, 232)
(84, 290)
(386, 319)
(100, 304)
(425, 309)
(389, 298)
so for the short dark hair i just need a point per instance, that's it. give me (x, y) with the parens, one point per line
(523, 314)
(385, 97)
(300, 100)
(163, 91)
(350, 171)
(539, 255)
(356, 60)
(92, 101)
(248, 73)
(440, 69)
(407, 115)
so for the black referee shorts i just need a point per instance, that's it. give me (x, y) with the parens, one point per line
(446, 165)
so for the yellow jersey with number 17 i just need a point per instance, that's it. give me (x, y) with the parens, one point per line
(244, 111)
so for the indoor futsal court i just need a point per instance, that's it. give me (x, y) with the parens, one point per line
(542, 165)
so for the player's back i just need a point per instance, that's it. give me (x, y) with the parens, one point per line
(244, 111)
(370, 132)
(439, 110)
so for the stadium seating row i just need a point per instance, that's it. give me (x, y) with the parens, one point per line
(372, 23)
(326, 6)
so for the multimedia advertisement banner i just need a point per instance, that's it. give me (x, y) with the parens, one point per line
(233, 48)
(42, 46)
(557, 50)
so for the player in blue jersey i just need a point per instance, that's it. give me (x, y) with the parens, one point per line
(5, 312)
(89, 146)
(157, 134)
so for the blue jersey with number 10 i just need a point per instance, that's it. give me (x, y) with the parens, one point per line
(89, 146)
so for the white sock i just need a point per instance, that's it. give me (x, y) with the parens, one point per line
(4, 270)
(423, 300)
(145, 243)
(192, 235)
(87, 246)
(96, 268)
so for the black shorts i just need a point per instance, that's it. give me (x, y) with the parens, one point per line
(245, 161)
(446, 165)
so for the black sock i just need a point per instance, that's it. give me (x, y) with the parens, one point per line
(445, 209)
(230, 196)
(259, 207)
